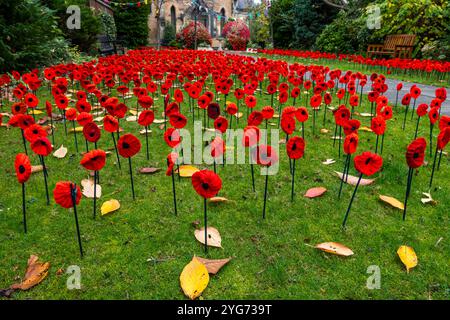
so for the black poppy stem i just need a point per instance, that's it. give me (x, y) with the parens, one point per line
(434, 166)
(205, 217)
(74, 135)
(376, 144)
(131, 177)
(335, 133)
(340, 140)
(146, 142)
(174, 193)
(439, 162)
(115, 148)
(351, 201)
(303, 130)
(24, 212)
(324, 114)
(382, 143)
(214, 163)
(65, 124)
(24, 142)
(314, 122)
(417, 127)
(344, 173)
(74, 202)
(404, 119)
(87, 145)
(95, 193)
(45, 178)
(53, 130)
(431, 139)
(265, 194)
(408, 190)
(293, 179)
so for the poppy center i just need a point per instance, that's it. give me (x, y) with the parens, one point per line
(125, 145)
(416, 155)
(21, 169)
(205, 186)
(368, 161)
(294, 147)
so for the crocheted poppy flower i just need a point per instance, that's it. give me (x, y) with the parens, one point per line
(91, 132)
(301, 114)
(23, 167)
(171, 161)
(378, 125)
(415, 153)
(145, 102)
(213, 110)
(71, 114)
(295, 147)
(251, 136)
(178, 120)
(84, 118)
(351, 143)
(128, 145)
(63, 194)
(267, 112)
(443, 138)
(33, 132)
(368, 163)
(231, 108)
(172, 137)
(250, 101)
(221, 124)
(146, 118)
(94, 160)
(41, 146)
(288, 124)
(444, 122)
(265, 155)
(110, 124)
(206, 183)
(31, 100)
(255, 118)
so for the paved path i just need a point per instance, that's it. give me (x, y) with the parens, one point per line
(428, 92)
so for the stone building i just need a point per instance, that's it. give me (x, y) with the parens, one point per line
(215, 13)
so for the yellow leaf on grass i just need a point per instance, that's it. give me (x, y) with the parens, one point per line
(110, 206)
(194, 279)
(335, 248)
(393, 202)
(408, 257)
(36, 112)
(77, 129)
(37, 168)
(366, 129)
(186, 171)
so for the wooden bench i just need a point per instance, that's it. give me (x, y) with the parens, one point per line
(107, 46)
(397, 45)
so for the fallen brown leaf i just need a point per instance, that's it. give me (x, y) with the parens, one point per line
(335, 248)
(213, 266)
(149, 170)
(352, 180)
(214, 239)
(315, 192)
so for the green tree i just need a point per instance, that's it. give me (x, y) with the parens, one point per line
(132, 24)
(86, 37)
(259, 27)
(169, 35)
(29, 36)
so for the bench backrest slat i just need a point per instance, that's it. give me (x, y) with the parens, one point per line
(398, 39)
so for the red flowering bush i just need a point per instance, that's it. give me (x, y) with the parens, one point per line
(237, 34)
(187, 35)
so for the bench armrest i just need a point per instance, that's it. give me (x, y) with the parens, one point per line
(374, 47)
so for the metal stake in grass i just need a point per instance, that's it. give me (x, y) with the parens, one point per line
(205, 217)
(24, 209)
(174, 192)
(131, 177)
(74, 135)
(404, 119)
(408, 190)
(434, 166)
(344, 173)
(265, 193)
(351, 201)
(45, 178)
(146, 141)
(74, 202)
(115, 148)
(293, 179)
(24, 142)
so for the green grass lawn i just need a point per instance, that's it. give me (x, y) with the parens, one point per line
(431, 78)
(272, 258)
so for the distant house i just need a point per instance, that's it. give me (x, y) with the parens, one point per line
(101, 5)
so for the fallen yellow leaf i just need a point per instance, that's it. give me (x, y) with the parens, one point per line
(218, 199)
(393, 202)
(408, 257)
(335, 248)
(194, 279)
(110, 206)
(186, 171)
(77, 129)
(60, 153)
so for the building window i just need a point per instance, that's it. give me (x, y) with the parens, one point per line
(222, 19)
(173, 17)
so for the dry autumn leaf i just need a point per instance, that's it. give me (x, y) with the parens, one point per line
(352, 180)
(159, 121)
(88, 189)
(324, 131)
(335, 248)
(213, 266)
(408, 257)
(315, 192)
(194, 279)
(131, 118)
(142, 132)
(393, 202)
(366, 129)
(328, 162)
(36, 272)
(60, 153)
(186, 171)
(218, 199)
(110, 206)
(35, 112)
(37, 168)
(214, 239)
(149, 170)
(365, 114)
(427, 199)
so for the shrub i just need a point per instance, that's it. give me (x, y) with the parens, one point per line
(132, 25)
(169, 35)
(187, 35)
(237, 34)
(108, 25)
(29, 36)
